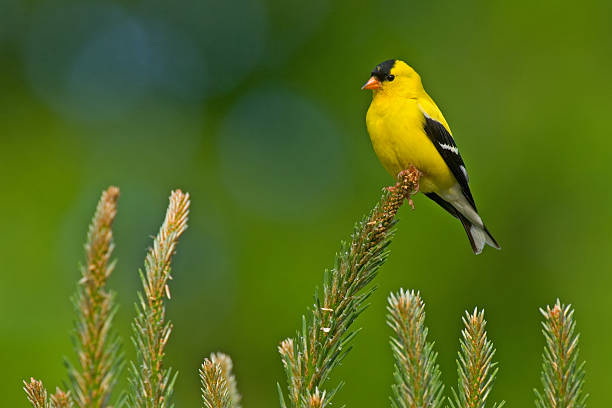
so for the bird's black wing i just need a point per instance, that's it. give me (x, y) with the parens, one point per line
(444, 143)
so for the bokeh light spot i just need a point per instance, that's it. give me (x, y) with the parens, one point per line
(97, 62)
(280, 155)
(112, 72)
(231, 35)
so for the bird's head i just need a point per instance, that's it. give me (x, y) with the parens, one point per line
(394, 77)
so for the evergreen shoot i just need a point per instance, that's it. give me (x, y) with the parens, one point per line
(151, 382)
(61, 399)
(99, 360)
(226, 368)
(417, 375)
(36, 393)
(325, 338)
(475, 365)
(562, 375)
(219, 389)
(215, 389)
(38, 397)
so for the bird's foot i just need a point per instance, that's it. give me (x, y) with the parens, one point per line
(393, 189)
(410, 176)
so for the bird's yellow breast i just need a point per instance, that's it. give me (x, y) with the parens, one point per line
(396, 130)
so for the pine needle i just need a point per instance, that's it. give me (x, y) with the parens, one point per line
(417, 375)
(151, 383)
(475, 365)
(325, 338)
(98, 353)
(562, 377)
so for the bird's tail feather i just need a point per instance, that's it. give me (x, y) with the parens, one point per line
(477, 233)
(490, 240)
(478, 236)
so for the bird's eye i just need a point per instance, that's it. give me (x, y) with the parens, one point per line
(390, 77)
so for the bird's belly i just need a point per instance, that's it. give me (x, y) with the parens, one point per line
(398, 149)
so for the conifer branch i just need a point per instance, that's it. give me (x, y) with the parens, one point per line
(37, 394)
(562, 377)
(325, 338)
(417, 375)
(152, 383)
(475, 365)
(98, 354)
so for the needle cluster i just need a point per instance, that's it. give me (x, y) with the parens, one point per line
(417, 375)
(475, 365)
(151, 382)
(219, 388)
(39, 398)
(99, 359)
(562, 375)
(36, 393)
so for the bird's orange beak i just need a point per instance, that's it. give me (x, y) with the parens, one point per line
(373, 83)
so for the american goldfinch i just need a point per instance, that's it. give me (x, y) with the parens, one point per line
(408, 131)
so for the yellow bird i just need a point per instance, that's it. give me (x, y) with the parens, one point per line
(408, 130)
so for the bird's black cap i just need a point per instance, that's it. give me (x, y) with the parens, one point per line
(383, 70)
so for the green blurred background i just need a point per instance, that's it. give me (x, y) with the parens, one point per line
(254, 107)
